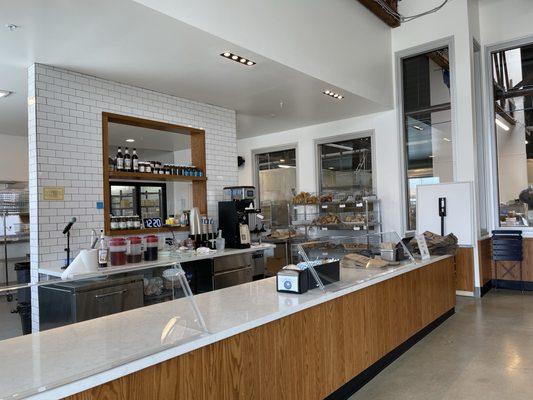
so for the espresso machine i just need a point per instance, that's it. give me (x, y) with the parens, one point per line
(237, 215)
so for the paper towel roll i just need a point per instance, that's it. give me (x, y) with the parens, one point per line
(85, 262)
(90, 258)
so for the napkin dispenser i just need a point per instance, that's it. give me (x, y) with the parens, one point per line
(299, 279)
(290, 280)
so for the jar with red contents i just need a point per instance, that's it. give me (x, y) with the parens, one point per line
(150, 250)
(134, 251)
(117, 251)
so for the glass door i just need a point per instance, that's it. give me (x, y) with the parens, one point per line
(152, 201)
(123, 200)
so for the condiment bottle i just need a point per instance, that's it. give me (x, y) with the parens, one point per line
(127, 160)
(103, 252)
(119, 160)
(135, 161)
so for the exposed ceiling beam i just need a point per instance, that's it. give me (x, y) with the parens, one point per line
(380, 12)
(504, 114)
(440, 59)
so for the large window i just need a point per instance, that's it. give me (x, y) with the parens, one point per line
(427, 124)
(276, 181)
(512, 81)
(346, 167)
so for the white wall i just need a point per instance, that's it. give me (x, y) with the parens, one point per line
(65, 142)
(502, 20)
(337, 41)
(13, 158)
(387, 156)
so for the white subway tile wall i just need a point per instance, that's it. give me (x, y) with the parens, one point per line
(65, 150)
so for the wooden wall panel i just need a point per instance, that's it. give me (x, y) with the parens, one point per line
(320, 348)
(485, 260)
(465, 269)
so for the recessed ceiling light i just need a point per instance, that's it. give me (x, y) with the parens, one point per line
(418, 128)
(446, 139)
(333, 94)
(281, 160)
(12, 27)
(527, 142)
(431, 156)
(239, 59)
(5, 93)
(130, 140)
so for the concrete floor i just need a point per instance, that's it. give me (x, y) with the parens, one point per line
(484, 351)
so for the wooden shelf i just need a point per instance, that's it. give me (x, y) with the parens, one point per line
(146, 231)
(143, 176)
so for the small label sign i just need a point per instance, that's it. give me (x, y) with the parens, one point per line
(53, 193)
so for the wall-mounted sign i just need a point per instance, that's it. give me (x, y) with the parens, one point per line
(53, 193)
(152, 222)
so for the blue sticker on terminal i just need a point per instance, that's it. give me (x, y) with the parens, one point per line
(99, 205)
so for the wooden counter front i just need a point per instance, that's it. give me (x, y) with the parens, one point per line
(306, 355)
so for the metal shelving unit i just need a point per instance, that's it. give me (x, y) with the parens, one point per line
(349, 218)
(13, 203)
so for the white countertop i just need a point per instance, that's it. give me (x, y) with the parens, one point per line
(165, 258)
(73, 358)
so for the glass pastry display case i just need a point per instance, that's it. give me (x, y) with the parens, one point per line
(337, 262)
(314, 217)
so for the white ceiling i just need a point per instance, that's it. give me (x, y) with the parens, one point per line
(126, 42)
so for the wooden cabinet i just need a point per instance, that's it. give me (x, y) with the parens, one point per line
(306, 355)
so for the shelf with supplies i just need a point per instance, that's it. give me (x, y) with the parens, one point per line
(146, 231)
(144, 176)
(166, 165)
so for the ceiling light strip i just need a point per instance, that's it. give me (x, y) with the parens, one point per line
(237, 58)
(331, 93)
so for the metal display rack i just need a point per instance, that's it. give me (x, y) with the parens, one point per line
(353, 217)
(13, 202)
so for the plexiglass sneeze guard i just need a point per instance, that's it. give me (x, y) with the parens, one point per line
(136, 323)
(338, 262)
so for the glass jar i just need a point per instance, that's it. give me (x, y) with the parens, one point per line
(142, 167)
(148, 167)
(122, 224)
(117, 251)
(114, 225)
(136, 222)
(150, 249)
(134, 250)
(129, 222)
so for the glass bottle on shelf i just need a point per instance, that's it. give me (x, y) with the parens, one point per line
(135, 161)
(127, 160)
(111, 163)
(120, 160)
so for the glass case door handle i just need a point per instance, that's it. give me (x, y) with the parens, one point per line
(99, 296)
